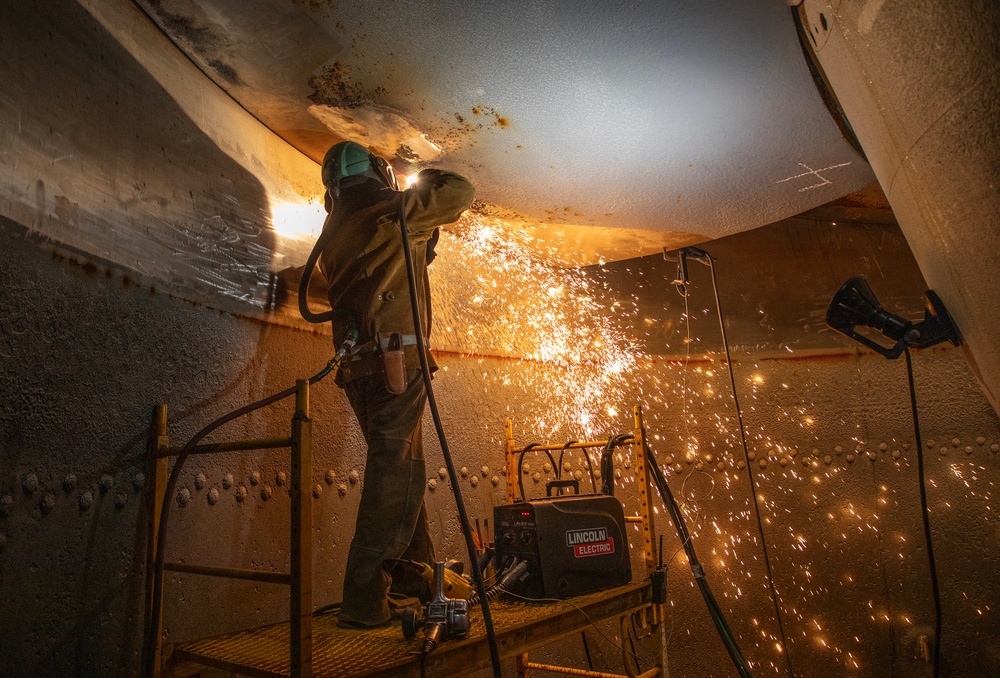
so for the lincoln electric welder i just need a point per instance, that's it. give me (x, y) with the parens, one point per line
(572, 544)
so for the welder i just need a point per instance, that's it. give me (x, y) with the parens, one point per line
(363, 260)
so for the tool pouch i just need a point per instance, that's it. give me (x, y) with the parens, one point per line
(394, 364)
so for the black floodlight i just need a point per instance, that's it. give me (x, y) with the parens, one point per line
(855, 304)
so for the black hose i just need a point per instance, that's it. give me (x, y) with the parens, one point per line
(308, 315)
(520, 461)
(153, 628)
(477, 574)
(608, 463)
(590, 464)
(742, 667)
(925, 512)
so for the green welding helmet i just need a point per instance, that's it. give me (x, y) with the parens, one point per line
(350, 159)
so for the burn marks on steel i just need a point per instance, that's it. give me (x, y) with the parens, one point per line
(332, 86)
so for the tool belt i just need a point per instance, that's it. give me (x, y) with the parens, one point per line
(390, 352)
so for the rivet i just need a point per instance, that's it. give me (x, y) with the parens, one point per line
(872, 455)
(474, 480)
(628, 462)
(850, 457)
(85, 500)
(6, 505)
(121, 499)
(342, 489)
(883, 446)
(828, 460)
(618, 473)
(536, 476)
(896, 454)
(741, 464)
(943, 451)
(955, 442)
(838, 450)
(566, 465)
(859, 448)
(762, 463)
(968, 449)
(700, 466)
(241, 493)
(783, 462)
(931, 444)
(981, 440)
(464, 471)
(597, 472)
(227, 481)
(995, 447)
(709, 458)
(29, 483)
(105, 483)
(443, 472)
(752, 456)
(317, 491)
(578, 474)
(199, 481)
(431, 484)
(183, 496)
(805, 461)
(485, 470)
(69, 482)
(793, 453)
(721, 466)
(907, 446)
(213, 496)
(265, 492)
(48, 503)
(138, 481)
(678, 468)
(495, 480)
(330, 476)
(255, 478)
(354, 476)
(815, 452)
(526, 468)
(280, 478)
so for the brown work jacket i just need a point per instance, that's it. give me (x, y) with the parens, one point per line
(364, 264)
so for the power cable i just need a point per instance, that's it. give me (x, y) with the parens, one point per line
(477, 573)
(753, 485)
(925, 512)
(718, 618)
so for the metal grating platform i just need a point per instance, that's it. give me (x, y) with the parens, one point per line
(520, 627)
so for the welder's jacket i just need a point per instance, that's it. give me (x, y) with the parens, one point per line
(364, 264)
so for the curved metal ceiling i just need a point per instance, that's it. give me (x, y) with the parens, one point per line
(606, 130)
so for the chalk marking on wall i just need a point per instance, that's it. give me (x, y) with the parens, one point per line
(814, 172)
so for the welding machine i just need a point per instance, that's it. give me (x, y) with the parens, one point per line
(573, 544)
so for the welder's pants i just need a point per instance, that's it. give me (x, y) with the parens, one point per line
(392, 520)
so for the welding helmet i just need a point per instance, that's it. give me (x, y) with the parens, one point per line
(349, 159)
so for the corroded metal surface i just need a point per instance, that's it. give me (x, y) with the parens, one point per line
(520, 626)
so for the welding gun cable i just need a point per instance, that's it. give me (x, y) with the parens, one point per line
(153, 628)
(925, 512)
(718, 618)
(753, 484)
(520, 462)
(463, 518)
(590, 464)
(307, 272)
(608, 463)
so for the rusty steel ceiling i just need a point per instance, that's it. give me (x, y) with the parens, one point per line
(618, 127)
